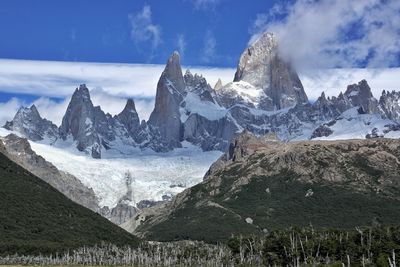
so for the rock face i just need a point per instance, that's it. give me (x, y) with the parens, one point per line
(123, 211)
(355, 179)
(93, 130)
(390, 104)
(165, 118)
(81, 120)
(186, 109)
(19, 150)
(129, 118)
(261, 66)
(28, 122)
(205, 122)
(360, 95)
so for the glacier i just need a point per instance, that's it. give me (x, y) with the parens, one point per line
(154, 175)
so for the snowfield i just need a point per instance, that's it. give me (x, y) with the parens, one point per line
(153, 174)
(351, 125)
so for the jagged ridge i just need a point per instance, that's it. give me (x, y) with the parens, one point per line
(266, 96)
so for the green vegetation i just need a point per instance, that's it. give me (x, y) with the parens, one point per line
(36, 218)
(272, 202)
(373, 246)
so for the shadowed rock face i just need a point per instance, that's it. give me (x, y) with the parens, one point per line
(360, 95)
(390, 104)
(79, 122)
(165, 118)
(129, 118)
(261, 66)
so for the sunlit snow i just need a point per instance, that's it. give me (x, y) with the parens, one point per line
(154, 174)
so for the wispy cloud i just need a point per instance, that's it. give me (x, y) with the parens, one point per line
(209, 47)
(73, 35)
(8, 109)
(181, 44)
(110, 84)
(335, 33)
(144, 31)
(205, 4)
(51, 109)
(334, 81)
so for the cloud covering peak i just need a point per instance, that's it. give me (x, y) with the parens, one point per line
(335, 33)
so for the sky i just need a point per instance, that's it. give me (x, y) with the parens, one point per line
(119, 48)
(205, 32)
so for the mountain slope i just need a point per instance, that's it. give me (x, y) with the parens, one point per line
(19, 150)
(261, 185)
(34, 217)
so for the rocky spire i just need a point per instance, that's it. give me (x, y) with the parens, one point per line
(261, 66)
(165, 118)
(79, 108)
(218, 85)
(173, 72)
(360, 95)
(79, 120)
(129, 117)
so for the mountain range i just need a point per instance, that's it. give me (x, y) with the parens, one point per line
(266, 95)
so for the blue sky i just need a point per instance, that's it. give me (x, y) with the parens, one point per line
(331, 43)
(312, 33)
(208, 32)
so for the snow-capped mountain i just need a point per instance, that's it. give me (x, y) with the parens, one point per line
(266, 95)
(192, 123)
(29, 123)
(276, 81)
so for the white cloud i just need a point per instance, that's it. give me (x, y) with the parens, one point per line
(114, 104)
(209, 47)
(143, 30)
(51, 109)
(8, 110)
(181, 44)
(59, 79)
(335, 33)
(110, 84)
(334, 81)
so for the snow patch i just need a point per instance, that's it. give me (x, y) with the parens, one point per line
(352, 125)
(246, 91)
(206, 109)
